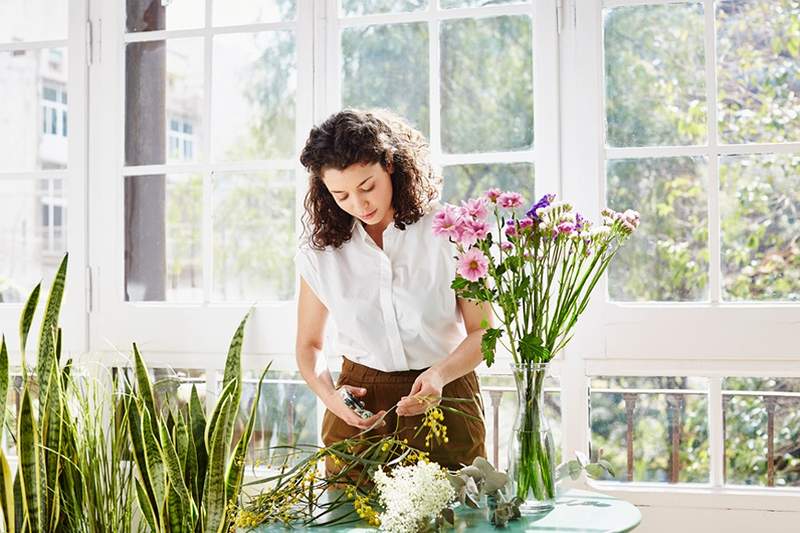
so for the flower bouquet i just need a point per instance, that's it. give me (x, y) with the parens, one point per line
(537, 269)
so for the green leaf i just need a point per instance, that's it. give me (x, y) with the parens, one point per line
(47, 337)
(145, 505)
(609, 468)
(594, 470)
(233, 368)
(459, 283)
(30, 465)
(3, 382)
(145, 392)
(26, 318)
(7, 492)
(236, 467)
(532, 349)
(52, 429)
(489, 344)
(214, 498)
(197, 427)
(154, 460)
(215, 416)
(137, 439)
(188, 513)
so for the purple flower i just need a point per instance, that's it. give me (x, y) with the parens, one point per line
(505, 245)
(544, 201)
(510, 200)
(579, 220)
(525, 223)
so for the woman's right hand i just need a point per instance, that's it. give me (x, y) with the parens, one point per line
(336, 405)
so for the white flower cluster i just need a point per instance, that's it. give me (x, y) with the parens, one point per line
(411, 495)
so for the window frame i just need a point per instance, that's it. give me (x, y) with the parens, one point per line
(716, 339)
(74, 189)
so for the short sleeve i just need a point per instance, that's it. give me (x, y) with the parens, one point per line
(306, 266)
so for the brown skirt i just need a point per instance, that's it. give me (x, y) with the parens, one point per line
(466, 436)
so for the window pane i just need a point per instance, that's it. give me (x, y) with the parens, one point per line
(666, 259)
(446, 4)
(759, 411)
(32, 245)
(254, 236)
(163, 79)
(33, 20)
(376, 62)
(468, 181)
(253, 93)
(286, 415)
(231, 12)
(151, 15)
(655, 75)
(372, 7)
(163, 225)
(759, 204)
(31, 137)
(668, 427)
(758, 54)
(487, 84)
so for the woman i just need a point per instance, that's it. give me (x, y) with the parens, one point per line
(370, 261)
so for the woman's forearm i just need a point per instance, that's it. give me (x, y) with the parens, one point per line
(462, 360)
(314, 369)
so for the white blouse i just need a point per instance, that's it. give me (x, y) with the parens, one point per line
(393, 308)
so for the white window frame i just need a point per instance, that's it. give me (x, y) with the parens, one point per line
(719, 338)
(714, 340)
(190, 335)
(74, 319)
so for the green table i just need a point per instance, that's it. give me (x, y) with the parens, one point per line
(576, 511)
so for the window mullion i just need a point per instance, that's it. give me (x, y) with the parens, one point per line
(712, 180)
(716, 436)
(434, 90)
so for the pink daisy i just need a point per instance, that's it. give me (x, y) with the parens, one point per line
(510, 200)
(473, 265)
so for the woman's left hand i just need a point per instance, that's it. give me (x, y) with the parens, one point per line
(426, 391)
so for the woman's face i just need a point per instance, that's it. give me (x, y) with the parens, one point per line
(363, 191)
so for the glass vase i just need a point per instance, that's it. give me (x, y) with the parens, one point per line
(531, 458)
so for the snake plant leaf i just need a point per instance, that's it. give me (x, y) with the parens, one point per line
(175, 509)
(6, 493)
(19, 510)
(197, 426)
(188, 513)
(52, 429)
(31, 467)
(214, 499)
(145, 391)
(47, 350)
(26, 318)
(236, 467)
(137, 439)
(154, 461)
(181, 439)
(233, 368)
(215, 416)
(145, 505)
(3, 382)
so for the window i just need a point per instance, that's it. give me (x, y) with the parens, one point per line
(54, 110)
(471, 59)
(181, 139)
(42, 157)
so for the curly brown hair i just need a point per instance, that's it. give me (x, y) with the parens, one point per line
(354, 136)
